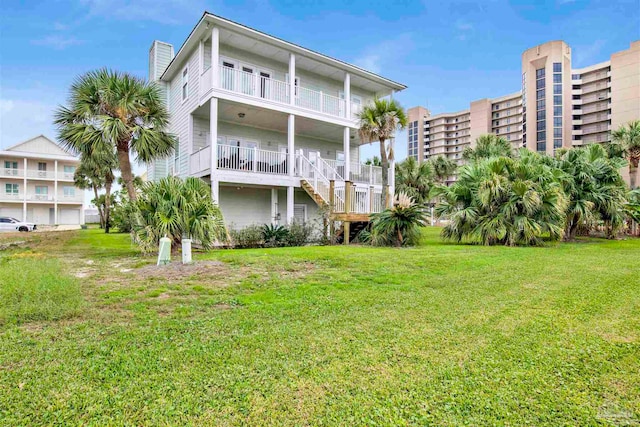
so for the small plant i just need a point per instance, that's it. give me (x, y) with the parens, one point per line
(274, 235)
(299, 234)
(399, 225)
(248, 237)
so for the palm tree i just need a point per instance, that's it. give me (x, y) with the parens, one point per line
(505, 201)
(379, 122)
(109, 110)
(487, 146)
(374, 161)
(629, 138)
(400, 224)
(177, 208)
(414, 179)
(442, 167)
(96, 172)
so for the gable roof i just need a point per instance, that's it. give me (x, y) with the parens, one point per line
(39, 145)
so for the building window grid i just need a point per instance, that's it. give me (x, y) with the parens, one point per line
(557, 105)
(540, 110)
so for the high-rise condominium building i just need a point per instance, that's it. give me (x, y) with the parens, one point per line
(557, 107)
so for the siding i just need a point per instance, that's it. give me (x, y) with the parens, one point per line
(200, 132)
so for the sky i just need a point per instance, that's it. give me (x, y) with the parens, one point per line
(448, 53)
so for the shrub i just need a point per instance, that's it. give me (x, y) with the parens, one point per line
(248, 237)
(274, 235)
(399, 225)
(300, 234)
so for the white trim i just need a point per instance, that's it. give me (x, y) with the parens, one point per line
(184, 96)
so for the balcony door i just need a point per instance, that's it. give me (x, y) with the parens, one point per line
(247, 79)
(228, 74)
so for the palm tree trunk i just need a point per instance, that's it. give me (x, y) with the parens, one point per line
(100, 210)
(384, 161)
(125, 171)
(633, 172)
(107, 206)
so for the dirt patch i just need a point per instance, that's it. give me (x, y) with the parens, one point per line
(178, 271)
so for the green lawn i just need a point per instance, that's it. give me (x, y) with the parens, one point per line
(436, 335)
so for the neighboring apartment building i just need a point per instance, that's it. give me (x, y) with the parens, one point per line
(557, 106)
(269, 124)
(36, 183)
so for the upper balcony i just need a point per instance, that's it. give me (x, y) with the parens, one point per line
(35, 174)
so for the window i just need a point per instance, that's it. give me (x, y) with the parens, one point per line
(539, 84)
(557, 67)
(11, 188)
(557, 121)
(42, 190)
(575, 76)
(540, 94)
(540, 104)
(557, 111)
(69, 191)
(69, 169)
(541, 146)
(557, 99)
(541, 125)
(557, 89)
(496, 107)
(10, 165)
(557, 78)
(42, 166)
(185, 83)
(176, 158)
(542, 135)
(575, 97)
(540, 115)
(557, 132)
(539, 73)
(557, 143)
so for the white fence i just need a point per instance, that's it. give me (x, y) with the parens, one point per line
(252, 160)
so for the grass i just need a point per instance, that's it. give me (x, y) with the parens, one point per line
(435, 335)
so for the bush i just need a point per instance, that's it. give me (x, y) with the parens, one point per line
(248, 237)
(300, 234)
(399, 225)
(274, 235)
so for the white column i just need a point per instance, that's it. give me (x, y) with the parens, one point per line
(347, 95)
(292, 79)
(200, 57)
(213, 135)
(290, 205)
(215, 57)
(291, 149)
(24, 192)
(55, 192)
(346, 147)
(274, 206)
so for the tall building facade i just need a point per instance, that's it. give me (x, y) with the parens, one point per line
(557, 107)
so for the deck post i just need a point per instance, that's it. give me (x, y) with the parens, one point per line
(371, 199)
(348, 193)
(332, 201)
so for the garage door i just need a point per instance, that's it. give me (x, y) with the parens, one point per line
(12, 212)
(69, 216)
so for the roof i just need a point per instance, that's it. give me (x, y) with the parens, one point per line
(27, 147)
(192, 40)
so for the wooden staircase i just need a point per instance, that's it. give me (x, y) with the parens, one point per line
(354, 229)
(315, 196)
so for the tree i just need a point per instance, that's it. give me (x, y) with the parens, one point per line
(177, 208)
(109, 110)
(374, 161)
(414, 179)
(629, 139)
(400, 224)
(503, 200)
(96, 172)
(593, 186)
(487, 146)
(379, 122)
(442, 168)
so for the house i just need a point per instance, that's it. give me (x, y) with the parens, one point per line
(36, 183)
(271, 125)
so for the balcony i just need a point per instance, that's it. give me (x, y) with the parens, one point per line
(40, 174)
(11, 173)
(270, 89)
(257, 161)
(11, 197)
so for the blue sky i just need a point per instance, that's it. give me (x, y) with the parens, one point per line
(447, 52)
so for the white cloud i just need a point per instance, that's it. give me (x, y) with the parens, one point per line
(374, 58)
(57, 41)
(21, 119)
(160, 11)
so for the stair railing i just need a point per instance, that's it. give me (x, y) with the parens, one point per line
(320, 183)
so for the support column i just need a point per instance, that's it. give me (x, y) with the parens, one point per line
(24, 191)
(290, 204)
(55, 192)
(291, 135)
(292, 79)
(346, 147)
(347, 95)
(215, 57)
(213, 135)
(274, 206)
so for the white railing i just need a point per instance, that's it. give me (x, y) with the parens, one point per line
(11, 196)
(360, 202)
(377, 200)
(200, 160)
(253, 85)
(65, 176)
(40, 197)
(319, 101)
(252, 160)
(11, 173)
(366, 174)
(356, 108)
(313, 176)
(71, 198)
(332, 169)
(339, 198)
(40, 174)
